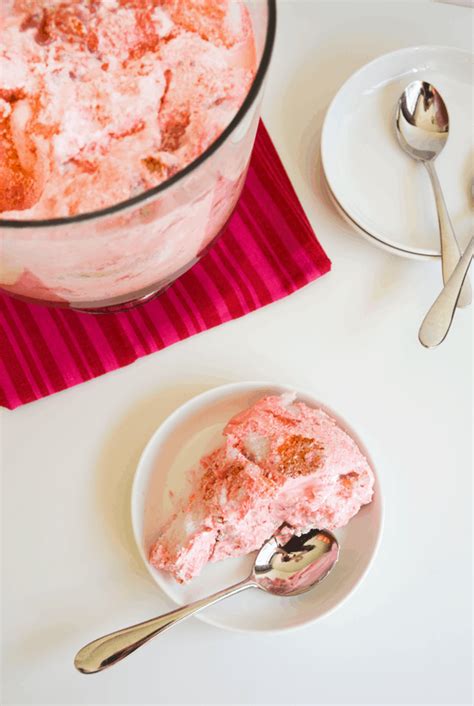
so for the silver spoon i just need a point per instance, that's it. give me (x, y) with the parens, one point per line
(437, 321)
(422, 124)
(282, 569)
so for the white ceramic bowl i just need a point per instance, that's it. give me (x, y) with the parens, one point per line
(379, 189)
(195, 428)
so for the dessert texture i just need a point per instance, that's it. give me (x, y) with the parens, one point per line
(101, 100)
(281, 462)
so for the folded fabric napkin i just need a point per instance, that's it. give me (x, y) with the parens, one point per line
(267, 251)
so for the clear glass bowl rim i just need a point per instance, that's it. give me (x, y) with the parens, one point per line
(122, 205)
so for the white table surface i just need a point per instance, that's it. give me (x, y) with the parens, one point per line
(70, 569)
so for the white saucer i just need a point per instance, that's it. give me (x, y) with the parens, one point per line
(195, 428)
(378, 188)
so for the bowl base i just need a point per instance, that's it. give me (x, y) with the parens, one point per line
(127, 301)
(113, 305)
(121, 306)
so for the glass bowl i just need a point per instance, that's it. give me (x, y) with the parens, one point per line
(127, 254)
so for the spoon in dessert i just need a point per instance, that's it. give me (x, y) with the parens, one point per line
(422, 126)
(286, 565)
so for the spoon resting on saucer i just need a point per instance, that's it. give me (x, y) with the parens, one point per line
(422, 126)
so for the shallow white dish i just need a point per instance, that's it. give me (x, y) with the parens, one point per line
(376, 186)
(195, 428)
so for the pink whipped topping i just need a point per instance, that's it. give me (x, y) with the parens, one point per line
(103, 99)
(281, 462)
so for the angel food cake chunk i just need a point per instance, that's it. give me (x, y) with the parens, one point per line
(281, 462)
(101, 100)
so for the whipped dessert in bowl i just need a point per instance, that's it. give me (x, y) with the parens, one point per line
(230, 467)
(126, 128)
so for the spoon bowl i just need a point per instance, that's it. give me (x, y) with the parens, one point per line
(290, 566)
(422, 121)
(422, 127)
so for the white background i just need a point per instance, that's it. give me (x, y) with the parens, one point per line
(70, 569)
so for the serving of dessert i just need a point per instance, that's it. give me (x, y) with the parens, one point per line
(237, 465)
(101, 102)
(282, 462)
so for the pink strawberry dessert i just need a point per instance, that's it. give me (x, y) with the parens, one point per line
(281, 462)
(101, 100)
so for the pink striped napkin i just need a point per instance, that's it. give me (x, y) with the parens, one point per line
(268, 251)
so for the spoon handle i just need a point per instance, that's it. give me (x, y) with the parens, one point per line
(450, 250)
(111, 648)
(437, 321)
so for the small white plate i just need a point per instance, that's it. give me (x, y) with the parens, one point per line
(195, 428)
(377, 187)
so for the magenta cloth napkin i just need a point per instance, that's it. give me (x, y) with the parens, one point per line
(267, 251)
